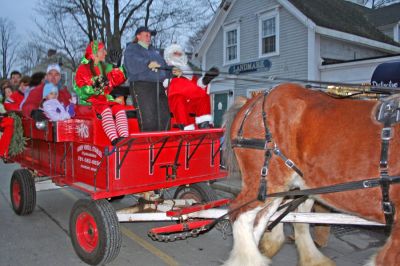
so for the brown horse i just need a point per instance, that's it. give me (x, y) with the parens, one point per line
(331, 141)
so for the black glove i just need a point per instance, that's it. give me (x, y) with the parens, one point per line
(114, 56)
(210, 75)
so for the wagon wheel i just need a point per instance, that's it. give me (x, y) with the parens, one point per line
(22, 192)
(200, 192)
(95, 232)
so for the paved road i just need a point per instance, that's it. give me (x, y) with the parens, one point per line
(42, 237)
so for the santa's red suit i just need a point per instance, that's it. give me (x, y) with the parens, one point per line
(188, 99)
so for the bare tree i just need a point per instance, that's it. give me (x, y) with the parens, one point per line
(195, 39)
(211, 7)
(114, 21)
(60, 33)
(8, 45)
(30, 55)
(95, 20)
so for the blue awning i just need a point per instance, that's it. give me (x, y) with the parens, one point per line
(387, 75)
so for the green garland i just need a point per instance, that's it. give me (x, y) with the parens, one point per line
(18, 140)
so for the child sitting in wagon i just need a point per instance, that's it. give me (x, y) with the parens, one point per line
(52, 108)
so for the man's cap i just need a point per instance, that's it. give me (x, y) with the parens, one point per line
(146, 29)
(55, 67)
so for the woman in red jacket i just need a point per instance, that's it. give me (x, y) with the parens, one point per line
(94, 80)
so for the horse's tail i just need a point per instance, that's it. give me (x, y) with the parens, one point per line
(228, 154)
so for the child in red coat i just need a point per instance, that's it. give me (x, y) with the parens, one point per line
(13, 102)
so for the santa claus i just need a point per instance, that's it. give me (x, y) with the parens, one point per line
(188, 95)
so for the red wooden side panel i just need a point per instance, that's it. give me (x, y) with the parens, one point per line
(137, 171)
(88, 130)
(78, 130)
(31, 131)
(90, 165)
(76, 152)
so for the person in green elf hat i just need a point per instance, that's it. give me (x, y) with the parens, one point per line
(94, 81)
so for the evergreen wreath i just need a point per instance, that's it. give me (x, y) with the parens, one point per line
(18, 140)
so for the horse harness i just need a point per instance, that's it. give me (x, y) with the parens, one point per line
(388, 114)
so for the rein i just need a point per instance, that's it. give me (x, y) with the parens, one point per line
(389, 114)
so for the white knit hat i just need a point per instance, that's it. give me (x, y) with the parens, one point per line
(55, 67)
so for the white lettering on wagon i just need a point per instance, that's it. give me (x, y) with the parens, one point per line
(89, 157)
(83, 130)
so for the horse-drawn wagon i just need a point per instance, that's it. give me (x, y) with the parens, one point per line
(77, 153)
(307, 140)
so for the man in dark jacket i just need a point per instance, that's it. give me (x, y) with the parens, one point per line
(145, 69)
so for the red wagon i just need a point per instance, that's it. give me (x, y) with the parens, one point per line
(77, 153)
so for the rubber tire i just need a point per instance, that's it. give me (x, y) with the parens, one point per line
(109, 234)
(200, 191)
(27, 192)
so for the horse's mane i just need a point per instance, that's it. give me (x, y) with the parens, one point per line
(228, 154)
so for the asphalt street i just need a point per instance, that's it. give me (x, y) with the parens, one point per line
(42, 238)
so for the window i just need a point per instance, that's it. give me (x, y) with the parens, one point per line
(231, 44)
(269, 34)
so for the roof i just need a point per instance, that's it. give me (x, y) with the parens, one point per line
(342, 16)
(330, 18)
(385, 15)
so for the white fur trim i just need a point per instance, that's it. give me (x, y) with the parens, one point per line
(203, 118)
(166, 83)
(200, 83)
(189, 127)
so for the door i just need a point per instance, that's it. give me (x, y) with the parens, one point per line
(220, 106)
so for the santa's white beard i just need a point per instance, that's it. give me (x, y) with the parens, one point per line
(181, 63)
(177, 61)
